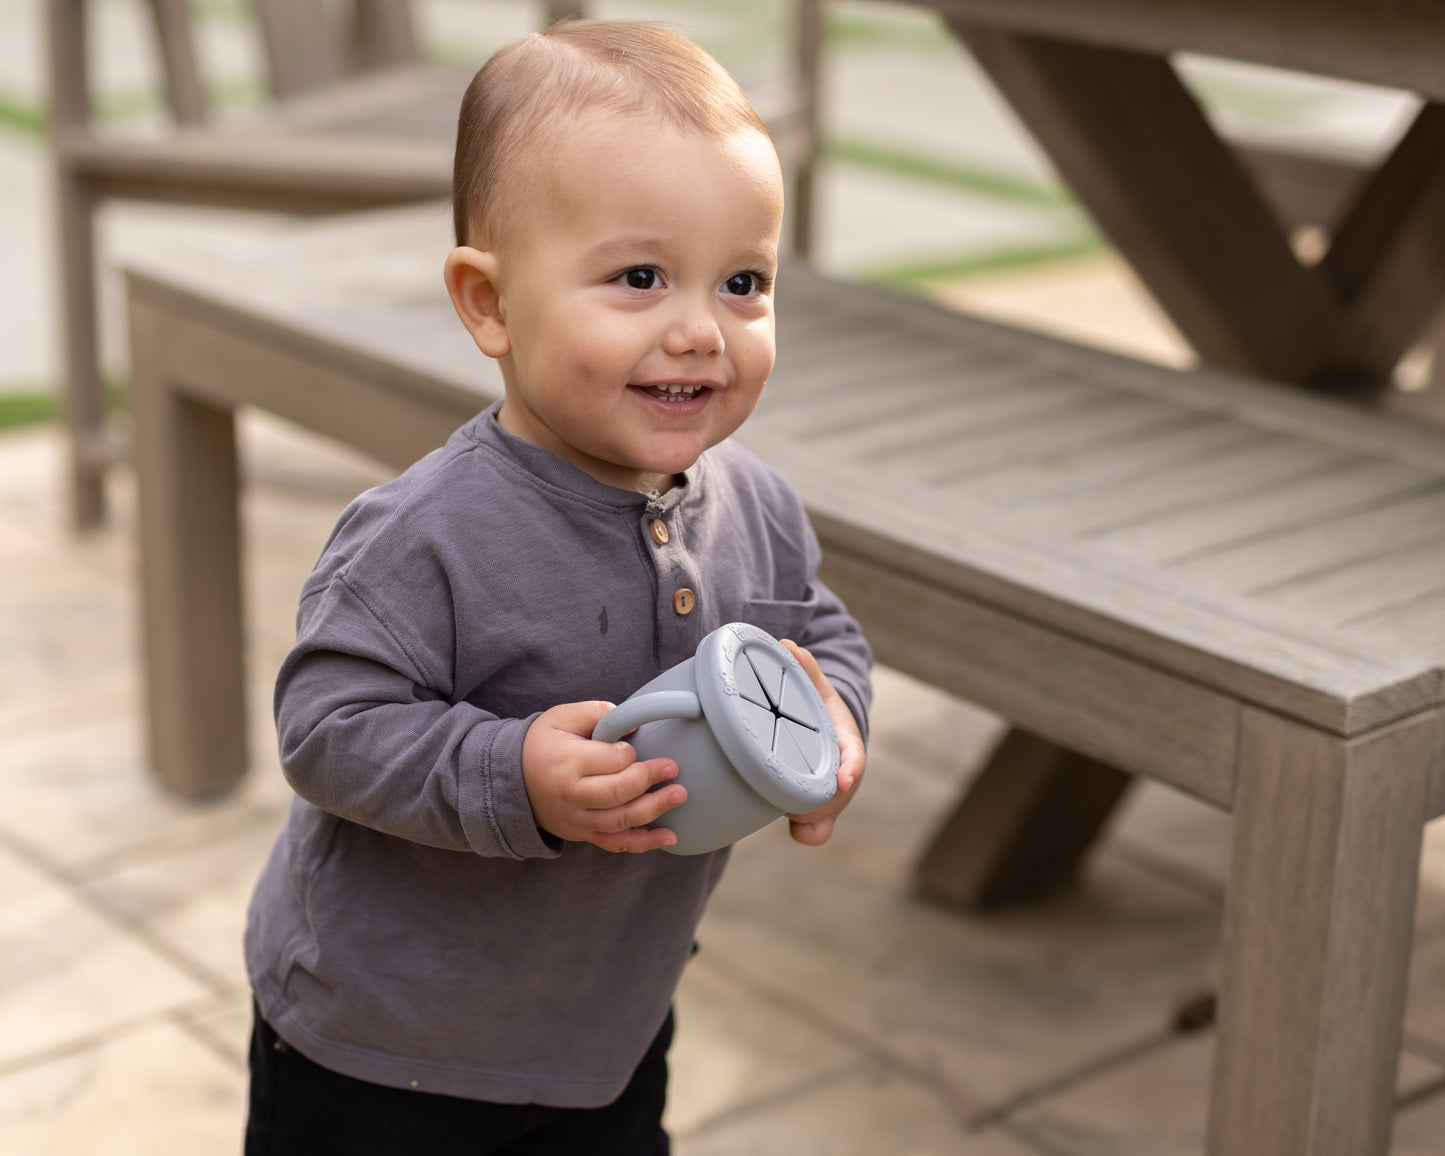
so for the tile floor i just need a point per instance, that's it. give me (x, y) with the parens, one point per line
(829, 1012)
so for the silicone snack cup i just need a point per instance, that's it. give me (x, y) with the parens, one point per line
(749, 733)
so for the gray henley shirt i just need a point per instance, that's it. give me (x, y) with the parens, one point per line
(413, 927)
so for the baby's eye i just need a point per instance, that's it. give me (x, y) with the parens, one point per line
(641, 278)
(746, 284)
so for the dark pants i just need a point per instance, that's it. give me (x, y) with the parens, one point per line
(299, 1108)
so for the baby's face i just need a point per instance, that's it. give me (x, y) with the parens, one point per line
(637, 293)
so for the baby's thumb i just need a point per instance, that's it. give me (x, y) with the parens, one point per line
(579, 718)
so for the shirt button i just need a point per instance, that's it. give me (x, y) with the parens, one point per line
(659, 531)
(683, 600)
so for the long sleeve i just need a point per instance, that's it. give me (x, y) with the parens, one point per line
(368, 743)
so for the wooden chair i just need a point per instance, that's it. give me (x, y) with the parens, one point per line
(359, 120)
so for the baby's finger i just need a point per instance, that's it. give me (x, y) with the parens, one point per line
(605, 791)
(578, 718)
(810, 667)
(639, 812)
(636, 840)
(811, 834)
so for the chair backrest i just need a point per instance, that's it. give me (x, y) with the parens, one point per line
(307, 44)
(182, 75)
(70, 74)
(310, 44)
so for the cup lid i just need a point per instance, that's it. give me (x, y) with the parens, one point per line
(767, 717)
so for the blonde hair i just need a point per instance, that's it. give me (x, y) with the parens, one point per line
(617, 67)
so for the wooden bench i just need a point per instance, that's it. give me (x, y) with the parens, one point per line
(1229, 587)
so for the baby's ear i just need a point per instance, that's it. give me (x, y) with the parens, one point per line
(471, 277)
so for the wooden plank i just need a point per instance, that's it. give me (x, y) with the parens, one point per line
(1394, 43)
(305, 48)
(1306, 673)
(824, 412)
(563, 10)
(1174, 498)
(1354, 591)
(1255, 564)
(1070, 429)
(977, 422)
(418, 101)
(1089, 472)
(1417, 627)
(875, 362)
(83, 401)
(1324, 487)
(67, 47)
(1388, 258)
(192, 631)
(806, 134)
(391, 416)
(182, 76)
(1435, 797)
(1250, 399)
(1138, 152)
(1022, 828)
(1317, 930)
(1093, 483)
(385, 34)
(1078, 695)
(1303, 188)
(298, 174)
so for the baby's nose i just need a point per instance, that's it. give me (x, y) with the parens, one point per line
(694, 330)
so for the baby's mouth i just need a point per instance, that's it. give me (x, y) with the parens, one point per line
(674, 392)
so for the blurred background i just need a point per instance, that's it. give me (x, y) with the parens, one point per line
(1050, 1031)
(961, 206)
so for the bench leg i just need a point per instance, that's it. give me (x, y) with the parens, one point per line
(84, 393)
(1022, 828)
(185, 466)
(1317, 934)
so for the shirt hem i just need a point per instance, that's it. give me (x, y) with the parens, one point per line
(394, 1071)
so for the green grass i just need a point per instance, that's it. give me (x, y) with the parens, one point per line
(223, 11)
(20, 116)
(1223, 93)
(27, 119)
(951, 174)
(32, 405)
(27, 408)
(911, 277)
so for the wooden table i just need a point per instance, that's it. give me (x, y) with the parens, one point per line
(1231, 587)
(1092, 81)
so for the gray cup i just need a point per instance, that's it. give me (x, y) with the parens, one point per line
(749, 733)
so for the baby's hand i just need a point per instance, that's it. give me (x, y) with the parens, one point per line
(815, 828)
(595, 792)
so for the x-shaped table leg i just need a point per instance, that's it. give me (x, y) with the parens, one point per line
(1139, 153)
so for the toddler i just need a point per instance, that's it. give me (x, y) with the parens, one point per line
(465, 940)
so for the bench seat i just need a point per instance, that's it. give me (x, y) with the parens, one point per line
(1208, 540)
(1231, 587)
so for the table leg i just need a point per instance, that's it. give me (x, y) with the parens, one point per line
(191, 631)
(1023, 827)
(1317, 934)
(1134, 146)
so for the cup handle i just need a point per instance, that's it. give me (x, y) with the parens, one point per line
(646, 708)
